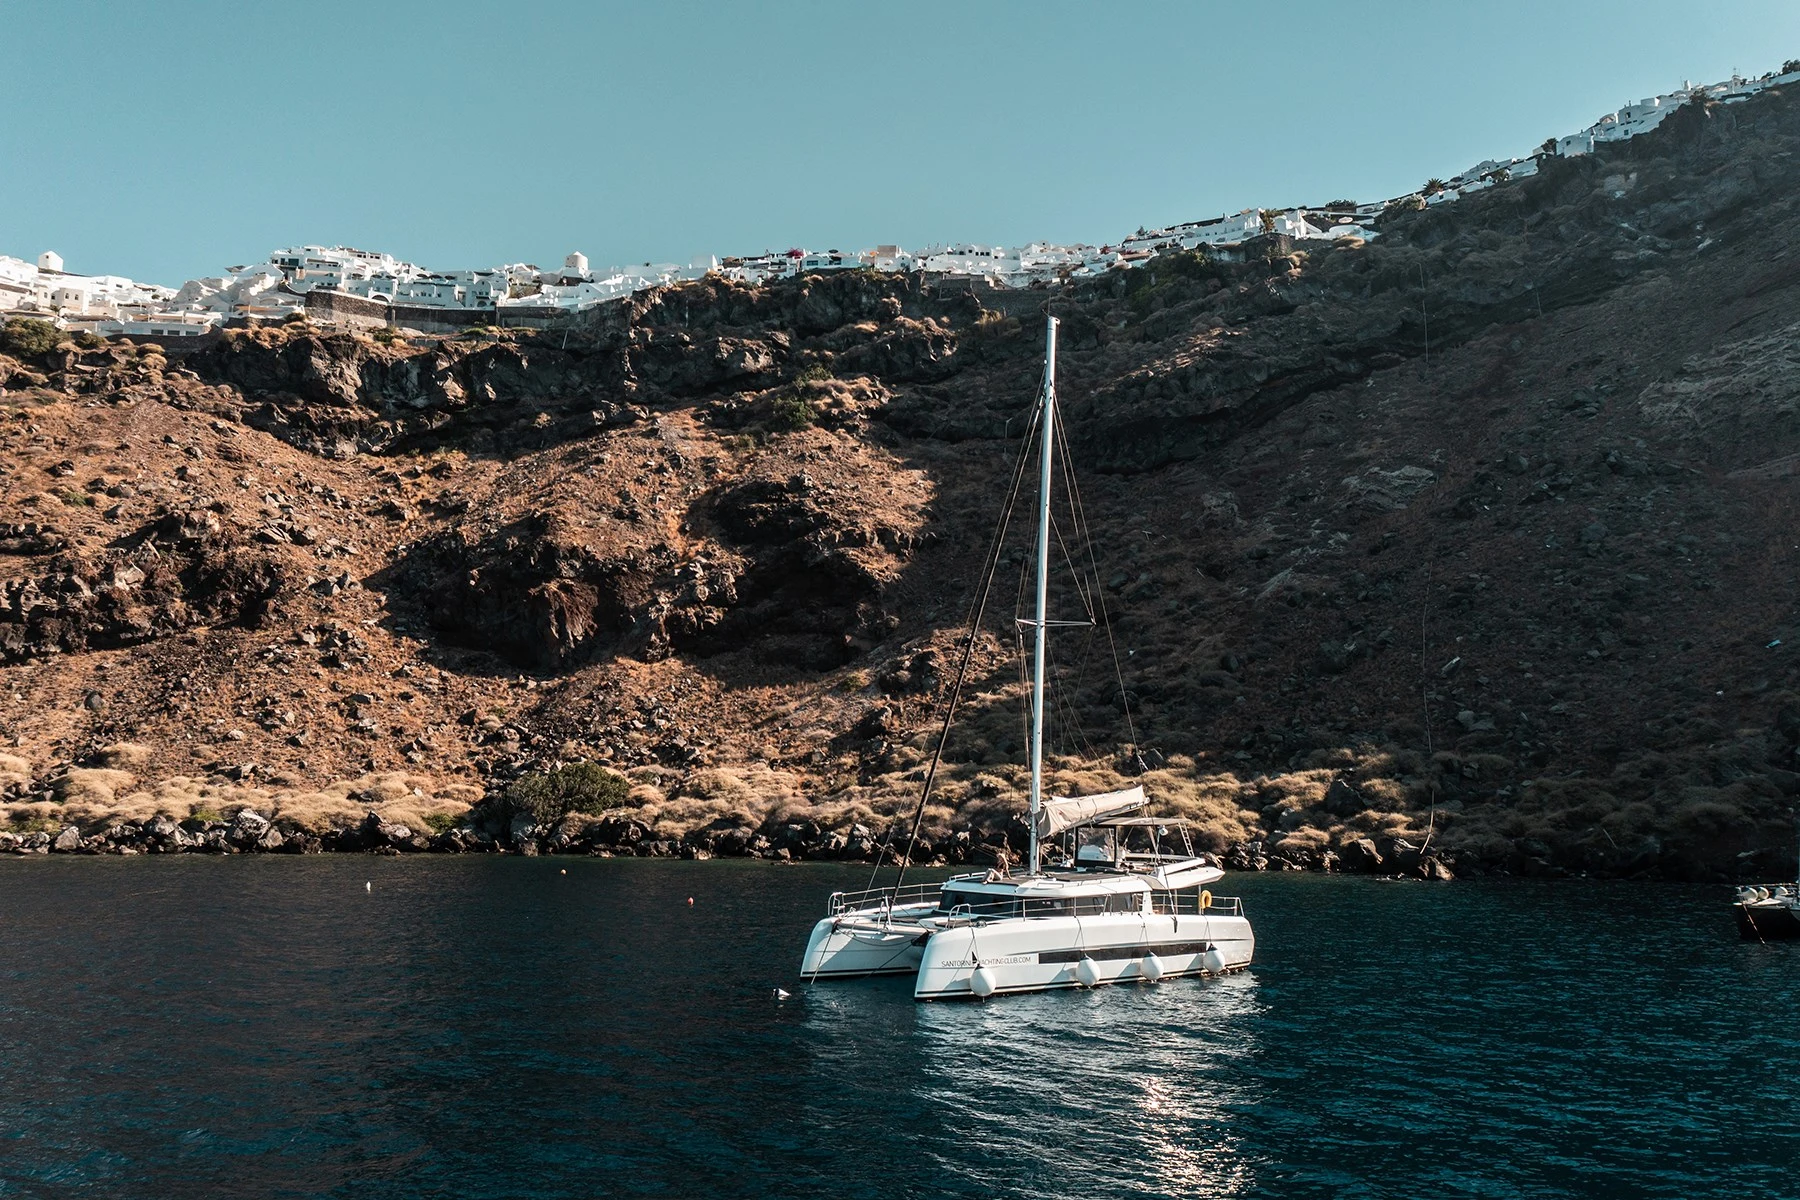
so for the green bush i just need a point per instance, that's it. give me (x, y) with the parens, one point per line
(790, 413)
(440, 822)
(1163, 275)
(549, 796)
(813, 374)
(29, 338)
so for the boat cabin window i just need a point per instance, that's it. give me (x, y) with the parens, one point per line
(1095, 846)
(983, 904)
(976, 904)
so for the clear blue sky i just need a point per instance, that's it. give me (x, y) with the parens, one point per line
(167, 140)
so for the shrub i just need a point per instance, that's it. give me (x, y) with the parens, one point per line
(441, 821)
(997, 324)
(1163, 274)
(813, 374)
(75, 499)
(549, 796)
(29, 338)
(790, 413)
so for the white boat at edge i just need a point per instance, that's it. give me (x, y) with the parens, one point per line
(1107, 912)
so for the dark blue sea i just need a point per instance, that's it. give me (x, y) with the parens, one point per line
(492, 1027)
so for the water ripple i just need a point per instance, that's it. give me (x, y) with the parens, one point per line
(489, 1027)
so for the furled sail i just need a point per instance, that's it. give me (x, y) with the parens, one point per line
(1065, 812)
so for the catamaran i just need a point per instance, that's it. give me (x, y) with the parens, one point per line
(1768, 912)
(1109, 894)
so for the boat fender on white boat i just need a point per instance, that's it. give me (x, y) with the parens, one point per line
(1214, 961)
(1088, 972)
(1152, 968)
(982, 982)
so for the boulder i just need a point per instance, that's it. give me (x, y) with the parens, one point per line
(392, 833)
(566, 834)
(248, 827)
(524, 832)
(1361, 856)
(68, 841)
(1343, 800)
(1403, 858)
(619, 831)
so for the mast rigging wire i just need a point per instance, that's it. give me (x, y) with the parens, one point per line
(977, 610)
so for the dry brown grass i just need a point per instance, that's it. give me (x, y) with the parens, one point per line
(14, 769)
(1301, 841)
(92, 789)
(98, 797)
(125, 756)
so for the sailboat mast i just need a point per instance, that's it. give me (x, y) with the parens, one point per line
(1041, 621)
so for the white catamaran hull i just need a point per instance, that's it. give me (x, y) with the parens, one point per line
(858, 944)
(1033, 955)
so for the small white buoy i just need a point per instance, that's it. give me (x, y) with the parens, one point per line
(564, 871)
(1214, 961)
(782, 993)
(1152, 968)
(1088, 972)
(690, 902)
(369, 886)
(982, 982)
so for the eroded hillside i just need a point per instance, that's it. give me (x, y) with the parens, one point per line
(1476, 538)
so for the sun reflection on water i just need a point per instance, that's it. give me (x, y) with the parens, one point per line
(1133, 1090)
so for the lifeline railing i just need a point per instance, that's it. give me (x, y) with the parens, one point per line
(1188, 904)
(875, 900)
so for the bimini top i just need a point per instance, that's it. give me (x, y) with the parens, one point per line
(1065, 812)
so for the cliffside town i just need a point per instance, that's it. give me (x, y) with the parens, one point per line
(1464, 549)
(366, 289)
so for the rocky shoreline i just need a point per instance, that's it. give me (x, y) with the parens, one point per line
(248, 832)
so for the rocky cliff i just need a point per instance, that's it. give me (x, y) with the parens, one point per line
(1469, 548)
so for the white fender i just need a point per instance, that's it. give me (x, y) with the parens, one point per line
(1214, 961)
(1152, 968)
(1088, 972)
(982, 982)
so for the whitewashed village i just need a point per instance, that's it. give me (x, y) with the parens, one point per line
(338, 284)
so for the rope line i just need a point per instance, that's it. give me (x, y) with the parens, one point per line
(977, 610)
